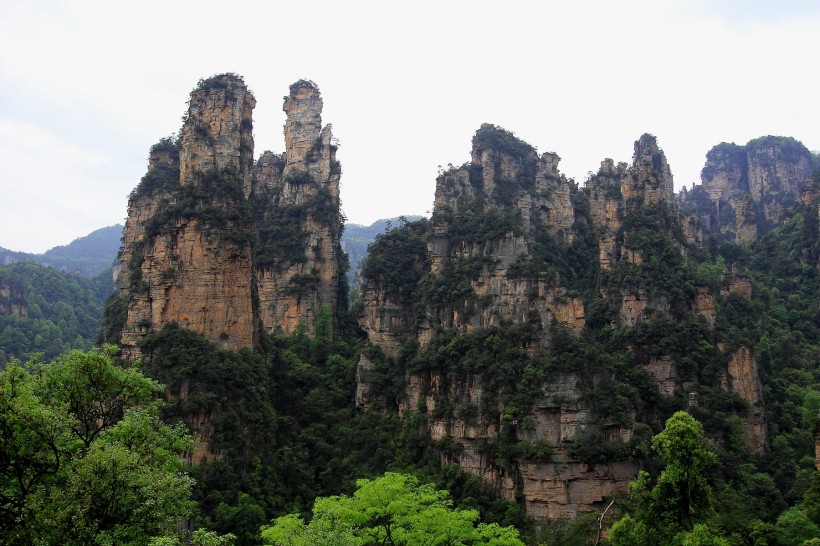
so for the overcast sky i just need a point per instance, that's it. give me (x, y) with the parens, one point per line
(87, 86)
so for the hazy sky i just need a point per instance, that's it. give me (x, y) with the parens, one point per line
(87, 86)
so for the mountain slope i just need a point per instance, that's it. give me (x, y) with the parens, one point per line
(89, 255)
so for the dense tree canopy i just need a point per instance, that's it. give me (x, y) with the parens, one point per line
(391, 510)
(84, 456)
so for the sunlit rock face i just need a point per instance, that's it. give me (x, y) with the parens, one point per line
(180, 263)
(196, 246)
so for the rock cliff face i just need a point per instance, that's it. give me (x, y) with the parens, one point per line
(498, 225)
(745, 189)
(486, 216)
(503, 256)
(202, 223)
(744, 379)
(618, 197)
(297, 270)
(12, 301)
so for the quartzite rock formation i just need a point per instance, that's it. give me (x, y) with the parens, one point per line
(299, 191)
(220, 246)
(230, 249)
(478, 267)
(745, 189)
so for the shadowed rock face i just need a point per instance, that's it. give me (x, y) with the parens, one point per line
(745, 189)
(196, 224)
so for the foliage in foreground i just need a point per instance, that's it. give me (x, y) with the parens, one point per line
(84, 456)
(678, 509)
(391, 510)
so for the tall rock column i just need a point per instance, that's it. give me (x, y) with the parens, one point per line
(218, 130)
(297, 210)
(649, 181)
(187, 252)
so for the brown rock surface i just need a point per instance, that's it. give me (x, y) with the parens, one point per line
(187, 256)
(218, 130)
(294, 288)
(744, 379)
(745, 189)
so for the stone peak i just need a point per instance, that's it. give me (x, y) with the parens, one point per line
(646, 146)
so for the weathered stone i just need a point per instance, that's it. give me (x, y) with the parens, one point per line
(744, 379)
(218, 130)
(294, 291)
(745, 189)
(188, 273)
(200, 275)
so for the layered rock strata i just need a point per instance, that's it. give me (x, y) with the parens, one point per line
(203, 241)
(301, 186)
(487, 264)
(745, 189)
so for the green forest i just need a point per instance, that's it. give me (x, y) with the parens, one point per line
(47, 312)
(96, 449)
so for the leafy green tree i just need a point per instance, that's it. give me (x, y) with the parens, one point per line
(200, 537)
(393, 509)
(681, 498)
(795, 527)
(94, 390)
(32, 436)
(127, 487)
(84, 455)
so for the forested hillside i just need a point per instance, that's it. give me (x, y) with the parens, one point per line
(89, 256)
(43, 310)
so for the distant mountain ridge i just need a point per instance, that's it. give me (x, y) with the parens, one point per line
(89, 255)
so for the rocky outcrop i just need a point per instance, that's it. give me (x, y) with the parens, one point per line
(186, 248)
(508, 194)
(618, 196)
(501, 225)
(617, 191)
(297, 271)
(491, 219)
(219, 245)
(218, 131)
(649, 180)
(12, 302)
(744, 380)
(745, 189)
(606, 209)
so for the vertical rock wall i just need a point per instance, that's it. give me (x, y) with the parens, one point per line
(202, 223)
(187, 255)
(301, 193)
(745, 189)
(507, 177)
